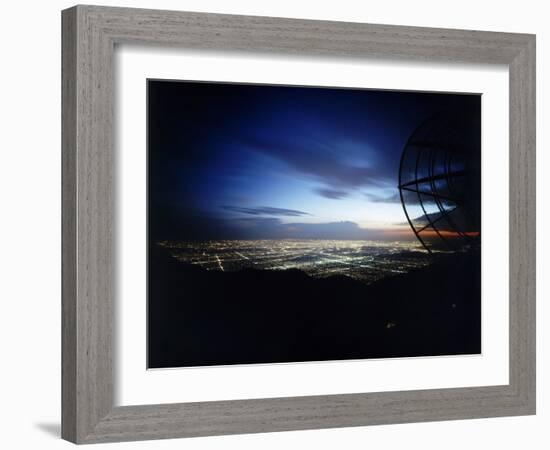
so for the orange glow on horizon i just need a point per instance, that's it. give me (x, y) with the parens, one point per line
(406, 232)
(449, 234)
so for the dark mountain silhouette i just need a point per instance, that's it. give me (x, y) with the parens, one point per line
(200, 317)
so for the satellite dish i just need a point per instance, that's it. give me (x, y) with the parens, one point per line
(440, 182)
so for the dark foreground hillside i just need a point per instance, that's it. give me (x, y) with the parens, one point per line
(200, 317)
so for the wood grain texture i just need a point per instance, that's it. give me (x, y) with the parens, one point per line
(89, 36)
(68, 224)
(523, 223)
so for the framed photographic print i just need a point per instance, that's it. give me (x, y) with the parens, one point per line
(278, 224)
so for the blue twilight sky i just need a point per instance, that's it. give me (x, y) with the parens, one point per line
(234, 161)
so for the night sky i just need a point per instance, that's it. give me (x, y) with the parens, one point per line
(241, 161)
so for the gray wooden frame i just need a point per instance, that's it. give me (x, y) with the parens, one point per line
(89, 36)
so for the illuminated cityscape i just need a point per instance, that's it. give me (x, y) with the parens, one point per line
(366, 261)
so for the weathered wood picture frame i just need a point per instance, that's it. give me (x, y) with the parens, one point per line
(89, 37)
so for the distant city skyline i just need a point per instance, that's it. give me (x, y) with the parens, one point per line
(234, 161)
(363, 260)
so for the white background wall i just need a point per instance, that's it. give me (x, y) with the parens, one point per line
(30, 223)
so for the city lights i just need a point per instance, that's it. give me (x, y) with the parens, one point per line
(366, 261)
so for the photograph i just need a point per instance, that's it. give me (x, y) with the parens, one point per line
(296, 223)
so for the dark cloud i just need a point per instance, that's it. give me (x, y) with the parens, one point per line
(272, 228)
(322, 162)
(422, 220)
(265, 211)
(453, 220)
(192, 226)
(392, 198)
(331, 193)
